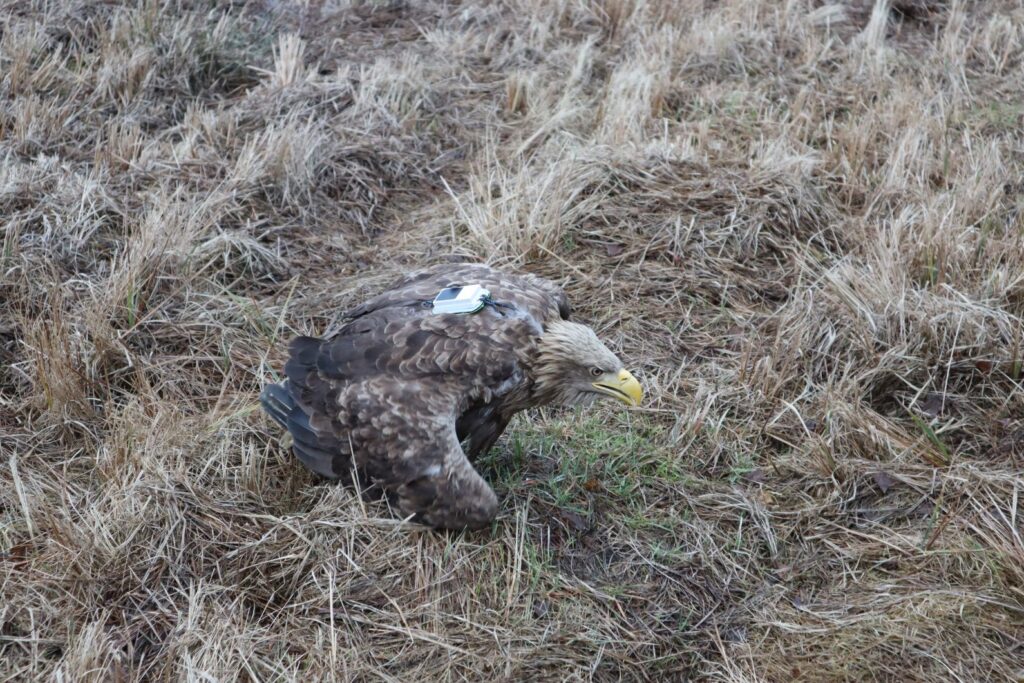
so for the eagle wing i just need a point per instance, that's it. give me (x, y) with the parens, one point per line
(398, 387)
(401, 434)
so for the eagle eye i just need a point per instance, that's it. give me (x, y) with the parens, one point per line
(596, 372)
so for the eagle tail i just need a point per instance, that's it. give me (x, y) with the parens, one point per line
(278, 402)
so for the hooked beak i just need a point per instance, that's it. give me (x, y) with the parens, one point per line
(622, 386)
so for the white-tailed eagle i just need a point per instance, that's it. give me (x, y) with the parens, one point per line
(400, 387)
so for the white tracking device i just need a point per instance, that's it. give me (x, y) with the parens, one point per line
(460, 299)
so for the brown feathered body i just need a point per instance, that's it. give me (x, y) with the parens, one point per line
(398, 389)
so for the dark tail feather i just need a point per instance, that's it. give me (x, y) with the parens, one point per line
(306, 444)
(278, 403)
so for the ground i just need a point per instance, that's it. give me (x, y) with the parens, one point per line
(799, 223)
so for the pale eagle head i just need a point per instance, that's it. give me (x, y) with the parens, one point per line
(573, 368)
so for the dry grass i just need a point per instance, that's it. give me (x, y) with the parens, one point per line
(801, 222)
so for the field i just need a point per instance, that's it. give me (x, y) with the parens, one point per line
(800, 224)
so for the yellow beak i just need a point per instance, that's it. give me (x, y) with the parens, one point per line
(622, 386)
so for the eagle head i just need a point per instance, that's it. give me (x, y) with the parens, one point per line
(573, 367)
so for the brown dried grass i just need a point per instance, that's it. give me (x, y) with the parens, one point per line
(801, 222)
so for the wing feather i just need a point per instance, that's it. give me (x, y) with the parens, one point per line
(404, 439)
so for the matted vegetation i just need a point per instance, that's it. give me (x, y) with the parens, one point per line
(799, 222)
